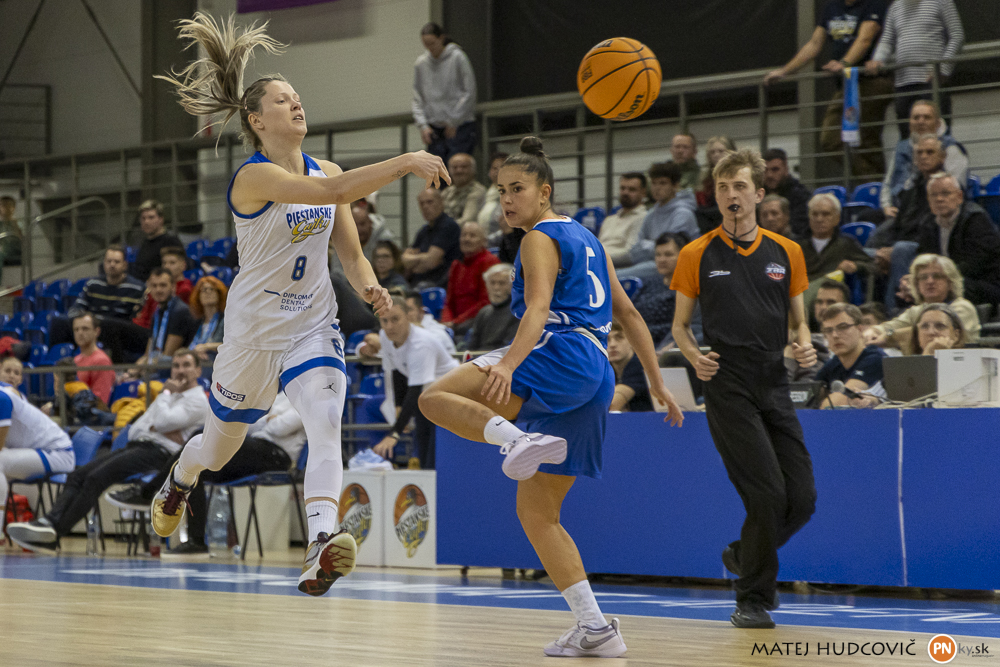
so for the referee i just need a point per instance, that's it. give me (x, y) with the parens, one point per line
(750, 283)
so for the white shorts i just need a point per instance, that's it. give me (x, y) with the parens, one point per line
(245, 382)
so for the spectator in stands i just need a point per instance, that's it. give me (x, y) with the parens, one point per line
(495, 325)
(872, 314)
(776, 215)
(465, 196)
(936, 279)
(491, 211)
(620, 231)
(412, 358)
(155, 239)
(387, 262)
(444, 95)
(173, 326)
(962, 231)
(507, 240)
(435, 246)
(178, 411)
(828, 293)
(272, 444)
(12, 372)
(778, 180)
(918, 31)
(924, 119)
(715, 148)
(174, 260)
(10, 233)
(466, 294)
(85, 334)
(684, 151)
(655, 301)
(372, 230)
(631, 389)
(371, 347)
(895, 240)
(857, 365)
(208, 308)
(826, 249)
(674, 213)
(30, 443)
(938, 327)
(851, 27)
(115, 300)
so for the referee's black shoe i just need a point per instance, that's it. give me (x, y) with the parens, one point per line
(751, 615)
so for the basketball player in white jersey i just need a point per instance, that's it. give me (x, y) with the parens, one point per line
(281, 326)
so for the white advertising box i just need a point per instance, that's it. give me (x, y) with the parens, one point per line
(967, 378)
(410, 517)
(362, 513)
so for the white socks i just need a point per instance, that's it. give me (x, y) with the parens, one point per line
(499, 431)
(584, 605)
(322, 517)
(183, 477)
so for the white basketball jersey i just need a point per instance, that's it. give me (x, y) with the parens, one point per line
(29, 427)
(283, 291)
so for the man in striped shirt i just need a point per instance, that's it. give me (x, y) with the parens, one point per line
(916, 31)
(115, 299)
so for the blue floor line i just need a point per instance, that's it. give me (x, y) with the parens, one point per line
(841, 611)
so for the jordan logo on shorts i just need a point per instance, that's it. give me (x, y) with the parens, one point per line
(332, 387)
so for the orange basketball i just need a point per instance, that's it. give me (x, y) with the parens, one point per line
(619, 79)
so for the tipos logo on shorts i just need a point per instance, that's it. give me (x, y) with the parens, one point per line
(411, 516)
(775, 272)
(355, 514)
(228, 394)
(942, 648)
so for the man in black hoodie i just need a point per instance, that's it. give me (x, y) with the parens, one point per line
(778, 180)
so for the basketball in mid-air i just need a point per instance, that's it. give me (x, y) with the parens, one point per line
(619, 79)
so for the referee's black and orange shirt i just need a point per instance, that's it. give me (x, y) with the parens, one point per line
(745, 293)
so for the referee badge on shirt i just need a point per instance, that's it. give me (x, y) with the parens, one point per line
(775, 272)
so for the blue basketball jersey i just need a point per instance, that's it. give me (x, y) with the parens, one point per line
(582, 294)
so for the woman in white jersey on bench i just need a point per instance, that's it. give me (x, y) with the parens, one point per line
(281, 326)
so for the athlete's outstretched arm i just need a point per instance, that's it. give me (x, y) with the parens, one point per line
(347, 245)
(638, 336)
(264, 181)
(540, 262)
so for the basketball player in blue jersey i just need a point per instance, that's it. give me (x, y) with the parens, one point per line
(555, 377)
(281, 325)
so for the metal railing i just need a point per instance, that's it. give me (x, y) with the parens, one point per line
(190, 176)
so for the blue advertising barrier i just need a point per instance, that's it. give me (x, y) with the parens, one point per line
(951, 498)
(666, 507)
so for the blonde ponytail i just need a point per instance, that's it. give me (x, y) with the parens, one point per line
(213, 84)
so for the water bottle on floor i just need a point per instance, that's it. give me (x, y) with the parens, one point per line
(92, 538)
(218, 523)
(155, 543)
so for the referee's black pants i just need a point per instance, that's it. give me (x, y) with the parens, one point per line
(758, 435)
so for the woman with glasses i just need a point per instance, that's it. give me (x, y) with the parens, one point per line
(932, 279)
(938, 327)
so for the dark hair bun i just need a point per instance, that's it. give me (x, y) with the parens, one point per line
(532, 146)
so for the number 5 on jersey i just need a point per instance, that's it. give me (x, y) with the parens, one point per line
(597, 299)
(300, 268)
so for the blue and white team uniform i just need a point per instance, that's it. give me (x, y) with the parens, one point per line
(281, 312)
(567, 382)
(35, 444)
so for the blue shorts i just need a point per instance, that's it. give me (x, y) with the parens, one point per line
(566, 384)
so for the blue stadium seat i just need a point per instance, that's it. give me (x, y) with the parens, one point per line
(990, 198)
(36, 335)
(76, 289)
(128, 389)
(222, 245)
(48, 303)
(39, 353)
(631, 286)
(868, 193)
(860, 231)
(223, 273)
(57, 288)
(433, 298)
(838, 191)
(12, 329)
(34, 288)
(23, 304)
(130, 254)
(22, 319)
(591, 217)
(194, 275)
(4, 318)
(60, 351)
(973, 188)
(196, 249)
(354, 340)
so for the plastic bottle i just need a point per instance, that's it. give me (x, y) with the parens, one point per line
(218, 523)
(155, 543)
(92, 538)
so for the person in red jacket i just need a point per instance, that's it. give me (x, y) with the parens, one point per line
(174, 260)
(466, 287)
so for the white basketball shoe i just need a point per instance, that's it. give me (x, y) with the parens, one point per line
(582, 641)
(525, 454)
